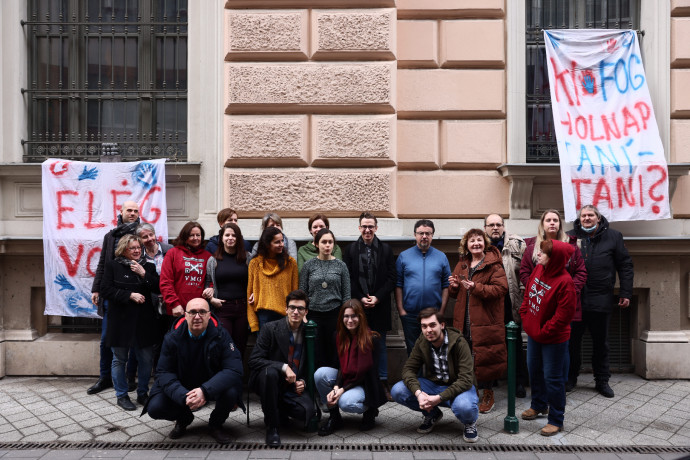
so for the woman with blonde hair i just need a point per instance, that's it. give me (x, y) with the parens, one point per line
(479, 283)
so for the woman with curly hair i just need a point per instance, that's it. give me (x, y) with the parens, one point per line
(479, 283)
(272, 276)
(354, 386)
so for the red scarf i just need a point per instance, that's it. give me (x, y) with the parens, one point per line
(354, 364)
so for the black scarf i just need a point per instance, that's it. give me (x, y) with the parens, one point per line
(368, 262)
(123, 229)
(128, 262)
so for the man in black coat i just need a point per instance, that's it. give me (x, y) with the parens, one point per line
(277, 368)
(605, 255)
(372, 279)
(127, 223)
(199, 362)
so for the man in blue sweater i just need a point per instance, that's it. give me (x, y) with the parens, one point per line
(422, 282)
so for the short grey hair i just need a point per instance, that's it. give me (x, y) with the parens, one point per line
(145, 227)
(590, 207)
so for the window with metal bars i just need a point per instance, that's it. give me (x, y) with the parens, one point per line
(561, 14)
(106, 76)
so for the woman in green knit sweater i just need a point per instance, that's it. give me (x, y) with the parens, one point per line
(309, 250)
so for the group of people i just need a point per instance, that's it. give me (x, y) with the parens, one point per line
(187, 312)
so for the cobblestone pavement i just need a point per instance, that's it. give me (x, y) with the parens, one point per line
(643, 413)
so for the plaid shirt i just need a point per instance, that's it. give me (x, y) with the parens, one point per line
(440, 357)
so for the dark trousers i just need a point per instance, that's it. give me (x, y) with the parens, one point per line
(548, 366)
(411, 330)
(325, 354)
(278, 401)
(598, 325)
(233, 317)
(160, 407)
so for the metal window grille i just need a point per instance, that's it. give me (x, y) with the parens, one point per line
(106, 76)
(561, 14)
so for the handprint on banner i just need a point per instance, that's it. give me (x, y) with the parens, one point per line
(61, 281)
(145, 174)
(89, 173)
(80, 305)
(588, 81)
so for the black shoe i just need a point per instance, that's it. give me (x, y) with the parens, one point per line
(520, 391)
(334, 422)
(143, 399)
(368, 420)
(125, 403)
(429, 421)
(387, 391)
(131, 383)
(604, 389)
(178, 431)
(570, 385)
(219, 434)
(272, 437)
(100, 385)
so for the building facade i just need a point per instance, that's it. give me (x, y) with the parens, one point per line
(407, 108)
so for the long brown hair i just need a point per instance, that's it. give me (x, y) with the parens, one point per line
(239, 243)
(363, 336)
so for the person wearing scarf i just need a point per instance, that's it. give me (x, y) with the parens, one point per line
(127, 284)
(354, 387)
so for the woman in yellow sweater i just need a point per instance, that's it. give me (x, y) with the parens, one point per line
(273, 275)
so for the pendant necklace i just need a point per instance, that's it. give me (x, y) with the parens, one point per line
(324, 284)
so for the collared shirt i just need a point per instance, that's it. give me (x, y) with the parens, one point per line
(157, 259)
(201, 336)
(440, 356)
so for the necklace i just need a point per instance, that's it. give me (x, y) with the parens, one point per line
(324, 284)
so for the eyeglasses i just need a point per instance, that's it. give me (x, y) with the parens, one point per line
(494, 225)
(300, 308)
(367, 227)
(352, 317)
(135, 248)
(201, 313)
(424, 233)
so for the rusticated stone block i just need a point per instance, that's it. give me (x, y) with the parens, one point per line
(350, 34)
(680, 37)
(451, 93)
(436, 9)
(680, 96)
(299, 192)
(459, 43)
(254, 141)
(472, 143)
(266, 34)
(456, 194)
(353, 141)
(311, 87)
(417, 44)
(418, 144)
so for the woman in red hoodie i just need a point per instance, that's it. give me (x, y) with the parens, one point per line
(546, 312)
(183, 273)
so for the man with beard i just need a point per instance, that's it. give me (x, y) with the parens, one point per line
(127, 223)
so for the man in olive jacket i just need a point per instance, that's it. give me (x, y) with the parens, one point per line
(448, 379)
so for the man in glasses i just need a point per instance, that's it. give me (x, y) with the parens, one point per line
(199, 363)
(371, 264)
(422, 281)
(278, 369)
(512, 247)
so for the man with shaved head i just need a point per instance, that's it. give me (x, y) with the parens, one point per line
(127, 223)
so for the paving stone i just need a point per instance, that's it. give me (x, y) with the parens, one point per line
(66, 454)
(157, 455)
(109, 453)
(29, 453)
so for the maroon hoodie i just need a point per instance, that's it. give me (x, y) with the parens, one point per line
(550, 299)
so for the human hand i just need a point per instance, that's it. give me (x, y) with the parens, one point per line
(94, 298)
(290, 376)
(218, 303)
(299, 387)
(178, 311)
(623, 302)
(137, 298)
(195, 399)
(251, 298)
(454, 281)
(207, 293)
(333, 396)
(138, 269)
(467, 284)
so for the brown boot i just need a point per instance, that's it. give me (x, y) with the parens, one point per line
(531, 414)
(550, 430)
(386, 390)
(487, 402)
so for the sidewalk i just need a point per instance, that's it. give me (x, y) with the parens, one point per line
(643, 413)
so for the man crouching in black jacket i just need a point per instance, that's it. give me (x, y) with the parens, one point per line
(199, 362)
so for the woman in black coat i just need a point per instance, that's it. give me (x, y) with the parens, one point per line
(127, 284)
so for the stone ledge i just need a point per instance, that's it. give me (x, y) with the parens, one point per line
(266, 35)
(450, 9)
(54, 354)
(301, 192)
(310, 88)
(353, 34)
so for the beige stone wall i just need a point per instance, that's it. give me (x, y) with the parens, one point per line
(680, 100)
(338, 110)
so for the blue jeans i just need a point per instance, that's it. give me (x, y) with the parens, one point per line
(145, 359)
(351, 401)
(411, 329)
(266, 316)
(548, 370)
(106, 360)
(465, 406)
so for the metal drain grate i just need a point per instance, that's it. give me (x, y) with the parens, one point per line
(253, 446)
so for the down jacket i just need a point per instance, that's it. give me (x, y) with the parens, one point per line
(486, 301)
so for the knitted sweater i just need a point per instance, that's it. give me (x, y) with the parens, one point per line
(269, 285)
(309, 251)
(334, 275)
